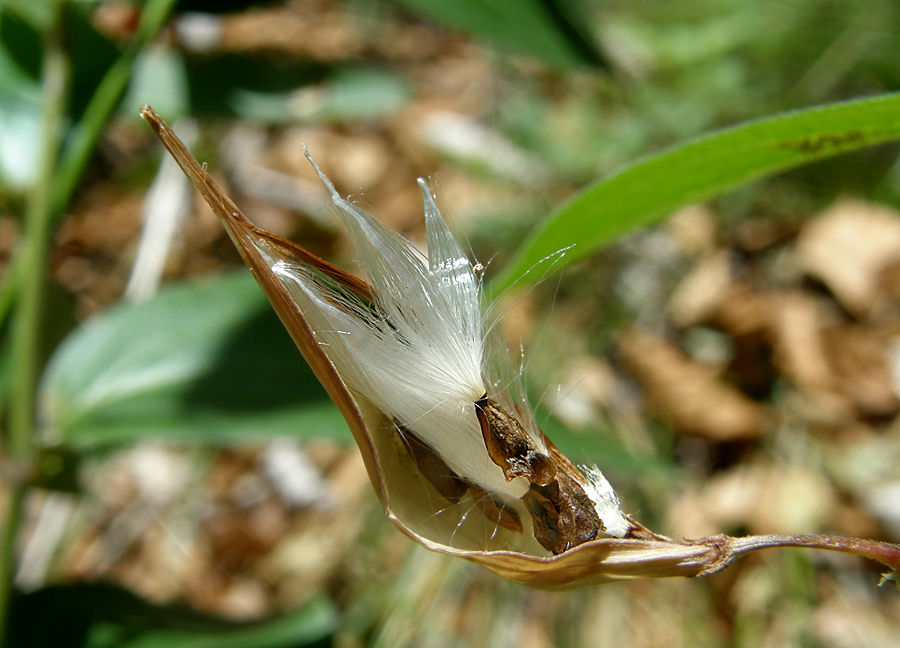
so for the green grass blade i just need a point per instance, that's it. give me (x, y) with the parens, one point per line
(653, 187)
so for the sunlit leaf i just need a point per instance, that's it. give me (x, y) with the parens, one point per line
(20, 103)
(345, 95)
(161, 74)
(197, 363)
(648, 190)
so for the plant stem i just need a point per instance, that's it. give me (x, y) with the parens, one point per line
(25, 282)
(32, 249)
(14, 510)
(84, 135)
(31, 262)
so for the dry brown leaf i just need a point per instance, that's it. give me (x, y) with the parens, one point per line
(323, 35)
(710, 294)
(699, 296)
(845, 365)
(761, 498)
(743, 310)
(796, 332)
(694, 227)
(859, 359)
(687, 395)
(848, 247)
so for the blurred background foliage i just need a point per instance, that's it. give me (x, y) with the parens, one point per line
(174, 475)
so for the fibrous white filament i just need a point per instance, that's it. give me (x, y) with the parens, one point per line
(420, 352)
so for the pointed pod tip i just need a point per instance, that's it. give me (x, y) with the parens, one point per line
(151, 116)
(335, 196)
(426, 192)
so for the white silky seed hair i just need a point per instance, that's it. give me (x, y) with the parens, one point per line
(423, 353)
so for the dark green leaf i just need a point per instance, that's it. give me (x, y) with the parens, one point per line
(315, 621)
(102, 615)
(214, 82)
(548, 29)
(648, 190)
(252, 88)
(203, 362)
(91, 55)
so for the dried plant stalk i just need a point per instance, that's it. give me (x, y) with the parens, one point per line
(524, 511)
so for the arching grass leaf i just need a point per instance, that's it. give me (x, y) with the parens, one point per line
(651, 188)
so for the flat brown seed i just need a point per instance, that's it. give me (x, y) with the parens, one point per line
(509, 446)
(451, 486)
(495, 512)
(563, 516)
(432, 467)
(544, 520)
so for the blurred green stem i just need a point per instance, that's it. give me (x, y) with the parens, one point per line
(7, 558)
(25, 280)
(31, 262)
(32, 248)
(85, 134)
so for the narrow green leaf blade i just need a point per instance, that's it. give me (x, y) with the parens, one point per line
(653, 187)
(199, 362)
(552, 30)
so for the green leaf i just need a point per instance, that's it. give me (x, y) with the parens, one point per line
(213, 82)
(200, 362)
(252, 88)
(158, 78)
(101, 615)
(548, 29)
(314, 622)
(91, 56)
(652, 188)
(346, 94)
(37, 13)
(21, 102)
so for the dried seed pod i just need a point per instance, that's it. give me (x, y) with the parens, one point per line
(449, 444)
